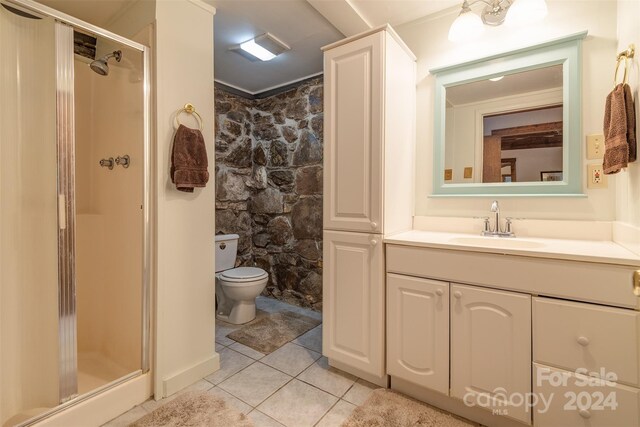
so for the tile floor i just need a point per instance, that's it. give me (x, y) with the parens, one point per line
(294, 386)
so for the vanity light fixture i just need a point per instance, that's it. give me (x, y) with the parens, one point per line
(468, 25)
(264, 48)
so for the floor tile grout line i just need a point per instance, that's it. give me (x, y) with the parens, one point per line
(325, 414)
(271, 418)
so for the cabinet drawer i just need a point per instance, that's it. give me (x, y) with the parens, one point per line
(573, 335)
(573, 403)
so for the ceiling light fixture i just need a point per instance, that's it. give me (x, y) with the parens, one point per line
(264, 48)
(468, 25)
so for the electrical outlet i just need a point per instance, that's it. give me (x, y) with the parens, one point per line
(595, 147)
(595, 177)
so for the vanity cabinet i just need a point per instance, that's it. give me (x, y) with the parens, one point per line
(369, 114)
(353, 299)
(545, 331)
(418, 331)
(491, 347)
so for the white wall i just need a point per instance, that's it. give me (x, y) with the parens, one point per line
(628, 182)
(185, 318)
(428, 40)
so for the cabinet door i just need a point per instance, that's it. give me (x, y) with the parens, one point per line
(353, 293)
(418, 331)
(352, 136)
(491, 349)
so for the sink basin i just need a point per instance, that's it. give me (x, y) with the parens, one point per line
(500, 242)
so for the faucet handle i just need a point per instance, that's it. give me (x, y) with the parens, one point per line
(507, 225)
(487, 224)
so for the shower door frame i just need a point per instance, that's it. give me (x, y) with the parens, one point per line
(65, 140)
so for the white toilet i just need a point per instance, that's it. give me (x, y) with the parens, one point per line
(236, 288)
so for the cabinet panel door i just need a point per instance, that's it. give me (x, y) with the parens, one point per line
(491, 348)
(353, 294)
(352, 136)
(418, 331)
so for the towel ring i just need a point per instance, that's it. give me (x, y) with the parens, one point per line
(626, 67)
(189, 109)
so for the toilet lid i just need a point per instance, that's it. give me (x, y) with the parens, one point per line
(243, 273)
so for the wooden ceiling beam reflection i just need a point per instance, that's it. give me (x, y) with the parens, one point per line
(544, 135)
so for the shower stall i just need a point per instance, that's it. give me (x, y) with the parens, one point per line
(74, 211)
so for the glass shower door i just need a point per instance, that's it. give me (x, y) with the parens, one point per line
(29, 346)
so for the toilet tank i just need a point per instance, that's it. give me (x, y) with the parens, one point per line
(226, 250)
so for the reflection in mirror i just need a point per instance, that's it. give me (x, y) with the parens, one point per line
(507, 128)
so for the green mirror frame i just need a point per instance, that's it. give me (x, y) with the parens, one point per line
(566, 51)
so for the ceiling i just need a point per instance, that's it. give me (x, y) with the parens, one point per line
(98, 13)
(305, 25)
(295, 22)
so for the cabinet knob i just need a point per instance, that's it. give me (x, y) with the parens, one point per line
(374, 225)
(584, 413)
(457, 294)
(583, 341)
(439, 292)
(373, 242)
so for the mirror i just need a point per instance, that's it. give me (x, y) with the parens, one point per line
(510, 124)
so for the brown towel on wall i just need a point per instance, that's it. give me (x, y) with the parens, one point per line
(631, 124)
(619, 130)
(189, 160)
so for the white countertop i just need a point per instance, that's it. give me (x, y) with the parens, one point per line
(607, 252)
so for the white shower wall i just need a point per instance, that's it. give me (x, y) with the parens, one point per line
(109, 220)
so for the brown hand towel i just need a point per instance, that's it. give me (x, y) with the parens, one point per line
(631, 123)
(616, 152)
(189, 160)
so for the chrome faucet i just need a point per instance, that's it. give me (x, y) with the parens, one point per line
(496, 230)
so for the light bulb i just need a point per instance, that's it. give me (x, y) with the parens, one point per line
(526, 12)
(256, 50)
(467, 26)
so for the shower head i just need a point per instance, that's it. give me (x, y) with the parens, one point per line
(101, 67)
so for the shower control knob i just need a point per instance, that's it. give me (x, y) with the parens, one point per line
(107, 163)
(123, 161)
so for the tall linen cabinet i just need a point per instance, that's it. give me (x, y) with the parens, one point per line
(369, 113)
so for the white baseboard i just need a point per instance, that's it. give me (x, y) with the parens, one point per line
(190, 375)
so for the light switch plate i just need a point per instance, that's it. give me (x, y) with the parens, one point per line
(595, 147)
(595, 177)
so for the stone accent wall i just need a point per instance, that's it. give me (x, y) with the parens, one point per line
(269, 186)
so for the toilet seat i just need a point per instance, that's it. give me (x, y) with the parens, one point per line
(241, 275)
